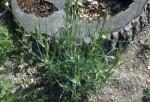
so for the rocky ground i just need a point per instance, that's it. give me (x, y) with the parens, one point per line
(133, 74)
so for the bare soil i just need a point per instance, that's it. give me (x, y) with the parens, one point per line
(133, 74)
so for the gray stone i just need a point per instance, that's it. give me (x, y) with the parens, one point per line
(136, 25)
(87, 40)
(128, 31)
(143, 19)
(115, 36)
(148, 10)
(121, 32)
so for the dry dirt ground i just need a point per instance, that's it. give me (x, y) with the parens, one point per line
(132, 77)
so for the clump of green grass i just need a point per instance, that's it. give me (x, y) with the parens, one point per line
(146, 98)
(76, 68)
(6, 43)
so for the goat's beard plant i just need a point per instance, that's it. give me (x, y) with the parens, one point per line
(75, 67)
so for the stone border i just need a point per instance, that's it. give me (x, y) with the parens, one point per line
(132, 28)
(131, 21)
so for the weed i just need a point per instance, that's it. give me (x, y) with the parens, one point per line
(72, 69)
(6, 44)
(146, 98)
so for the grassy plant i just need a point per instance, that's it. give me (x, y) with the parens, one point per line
(146, 98)
(6, 44)
(72, 68)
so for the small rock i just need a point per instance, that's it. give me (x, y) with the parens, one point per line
(148, 67)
